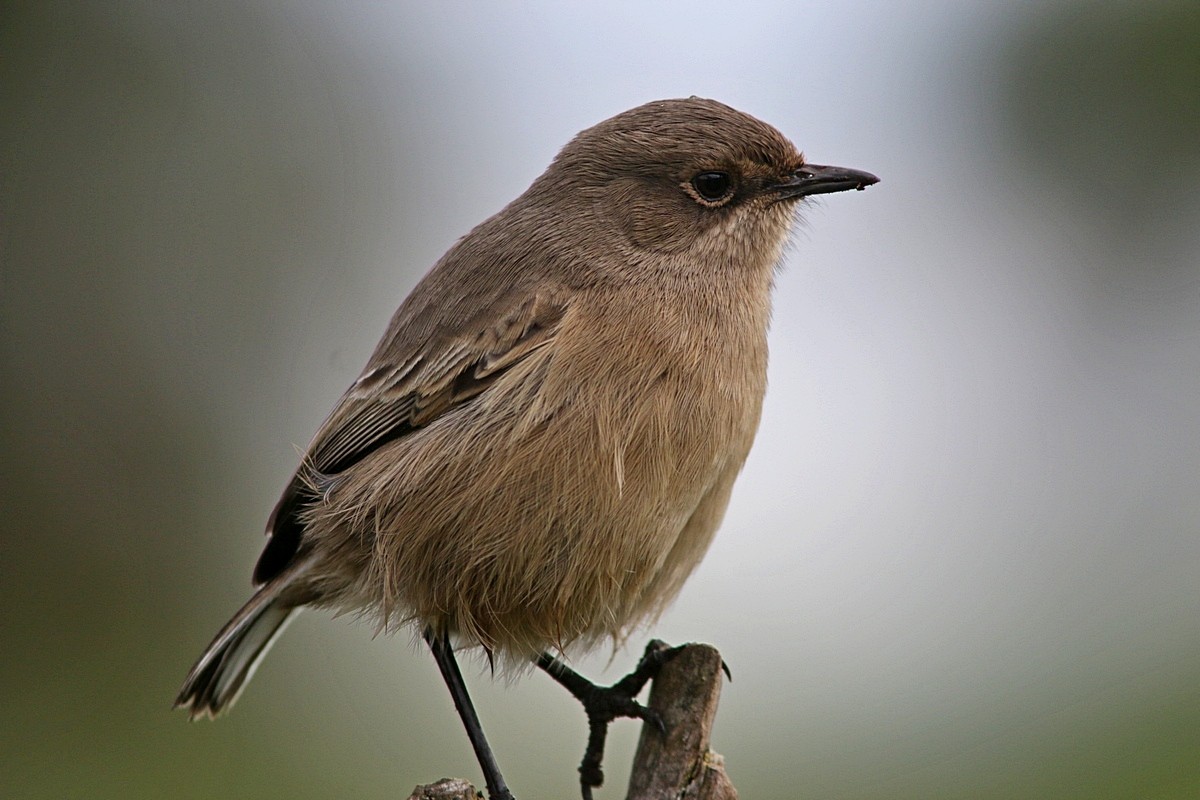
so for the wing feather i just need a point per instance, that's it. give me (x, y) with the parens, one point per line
(397, 394)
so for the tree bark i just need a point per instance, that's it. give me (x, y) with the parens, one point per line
(679, 763)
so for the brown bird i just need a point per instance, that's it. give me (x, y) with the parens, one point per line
(544, 442)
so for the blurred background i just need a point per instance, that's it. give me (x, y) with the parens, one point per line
(963, 560)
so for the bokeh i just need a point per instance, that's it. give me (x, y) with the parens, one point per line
(963, 560)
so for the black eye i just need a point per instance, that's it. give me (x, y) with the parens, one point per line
(712, 186)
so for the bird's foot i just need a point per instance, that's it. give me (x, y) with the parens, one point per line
(603, 704)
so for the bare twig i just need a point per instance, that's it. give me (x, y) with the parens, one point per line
(677, 765)
(446, 789)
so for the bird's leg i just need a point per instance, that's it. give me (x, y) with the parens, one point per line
(603, 704)
(443, 653)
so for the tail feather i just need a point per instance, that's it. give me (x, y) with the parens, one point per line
(218, 678)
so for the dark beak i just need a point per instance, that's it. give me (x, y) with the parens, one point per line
(815, 179)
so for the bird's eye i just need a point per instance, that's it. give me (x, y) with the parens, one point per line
(712, 186)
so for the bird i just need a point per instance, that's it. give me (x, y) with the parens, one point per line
(543, 444)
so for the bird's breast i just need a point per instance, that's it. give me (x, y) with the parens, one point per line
(684, 397)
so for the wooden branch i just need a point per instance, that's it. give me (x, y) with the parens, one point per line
(446, 789)
(677, 765)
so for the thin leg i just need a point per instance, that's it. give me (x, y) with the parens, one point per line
(443, 653)
(603, 704)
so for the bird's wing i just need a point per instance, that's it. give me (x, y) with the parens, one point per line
(400, 392)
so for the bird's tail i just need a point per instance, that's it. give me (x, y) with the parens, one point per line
(219, 676)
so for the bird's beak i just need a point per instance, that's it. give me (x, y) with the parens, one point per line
(815, 179)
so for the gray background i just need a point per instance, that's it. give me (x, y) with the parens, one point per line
(963, 559)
